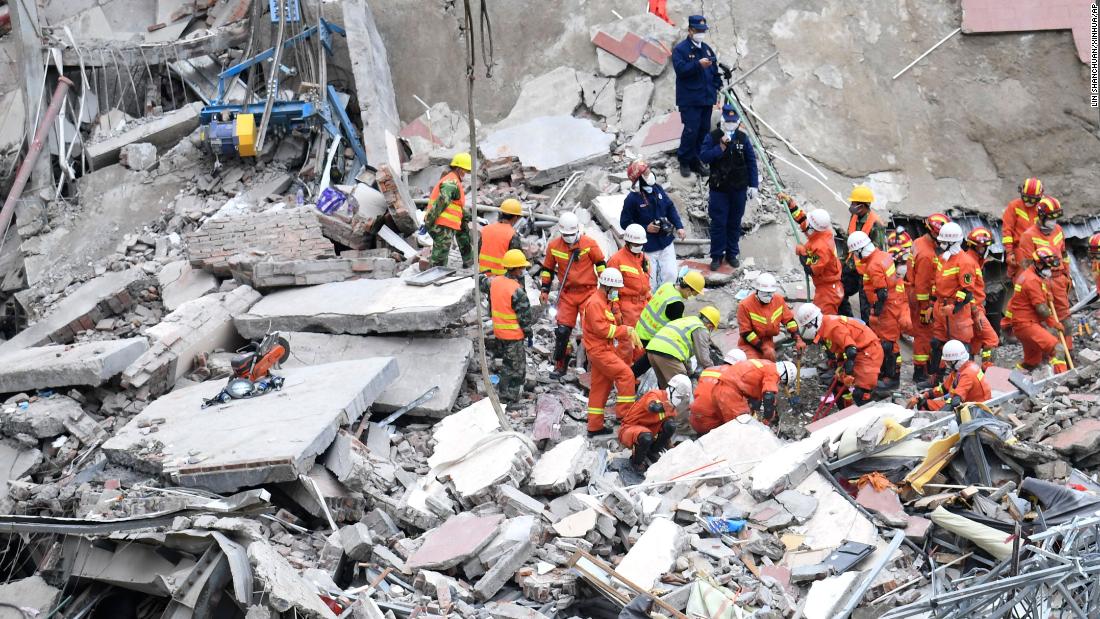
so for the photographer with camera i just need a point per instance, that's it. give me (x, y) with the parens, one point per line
(649, 206)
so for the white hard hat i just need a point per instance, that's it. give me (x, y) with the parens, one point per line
(954, 350)
(734, 355)
(808, 317)
(765, 282)
(635, 234)
(951, 232)
(787, 371)
(611, 277)
(858, 240)
(679, 391)
(819, 219)
(568, 223)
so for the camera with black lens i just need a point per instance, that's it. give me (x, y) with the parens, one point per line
(666, 225)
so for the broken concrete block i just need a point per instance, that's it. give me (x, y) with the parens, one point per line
(556, 93)
(1077, 441)
(810, 573)
(801, 506)
(545, 156)
(653, 554)
(635, 104)
(459, 538)
(610, 65)
(268, 274)
(826, 596)
(42, 418)
(644, 41)
(682, 459)
(179, 283)
(374, 88)
(885, 504)
(88, 363)
(356, 540)
(511, 610)
(559, 469)
(599, 95)
(163, 132)
(771, 515)
(741, 442)
(659, 134)
(917, 528)
(833, 427)
(275, 437)
(835, 520)
(358, 307)
(350, 461)
(139, 156)
(516, 503)
(503, 570)
(785, 468)
(423, 363)
(15, 463)
(33, 595)
(285, 234)
(578, 524)
(284, 589)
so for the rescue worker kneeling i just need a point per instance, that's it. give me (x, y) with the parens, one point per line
(965, 382)
(851, 345)
(738, 389)
(648, 426)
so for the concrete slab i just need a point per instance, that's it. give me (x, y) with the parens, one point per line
(825, 596)
(684, 461)
(743, 443)
(884, 503)
(285, 589)
(458, 539)
(1025, 16)
(607, 209)
(578, 524)
(358, 307)
(599, 95)
(833, 427)
(42, 418)
(644, 40)
(786, 467)
(373, 81)
(538, 145)
(30, 594)
(179, 283)
(998, 381)
(635, 104)
(164, 132)
(653, 554)
(1079, 440)
(62, 365)
(555, 93)
(660, 134)
(423, 363)
(271, 438)
(16, 462)
(835, 519)
(559, 469)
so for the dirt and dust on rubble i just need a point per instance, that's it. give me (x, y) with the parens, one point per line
(219, 175)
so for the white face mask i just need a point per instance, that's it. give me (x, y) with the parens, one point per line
(1045, 273)
(635, 249)
(867, 251)
(903, 268)
(765, 297)
(650, 178)
(1046, 225)
(729, 127)
(698, 37)
(570, 238)
(647, 188)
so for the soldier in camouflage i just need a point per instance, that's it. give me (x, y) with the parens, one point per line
(512, 321)
(447, 217)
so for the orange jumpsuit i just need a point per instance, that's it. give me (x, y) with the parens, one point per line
(954, 281)
(922, 275)
(728, 392)
(879, 272)
(1032, 239)
(985, 336)
(705, 415)
(759, 324)
(1017, 218)
(635, 291)
(819, 254)
(968, 384)
(637, 419)
(838, 333)
(1030, 290)
(602, 332)
(582, 274)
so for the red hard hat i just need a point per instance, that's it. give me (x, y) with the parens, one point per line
(1050, 207)
(899, 238)
(1094, 246)
(1031, 188)
(1046, 257)
(934, 222)
(980, 237)
(636, 169)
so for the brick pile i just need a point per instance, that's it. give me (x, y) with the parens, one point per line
(293, 234)
(275, 274)
(400, 203)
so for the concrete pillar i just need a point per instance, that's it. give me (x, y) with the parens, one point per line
(25, 27)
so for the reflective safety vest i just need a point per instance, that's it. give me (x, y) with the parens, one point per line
(495, 239)
(868, 225)
(653, 316)
(505, 322)
(451, 217)
(674, 339)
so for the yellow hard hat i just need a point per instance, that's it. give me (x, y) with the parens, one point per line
(462, 160)
(694, 280)
(712, 315)
(861, 193)
(511, 206)
(514, 258)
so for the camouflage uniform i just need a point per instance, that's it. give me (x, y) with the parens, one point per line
(513, 353)
(442, 235)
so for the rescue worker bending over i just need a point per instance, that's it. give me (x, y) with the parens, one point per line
(759, 317)
(603, 333)
(965, 382)
(705, 412)
(648, 425)
(852, 346)
(1030, 310)
(671, 350)
(818, 256)
(666, 305)
(879, 275)
(1048, 233)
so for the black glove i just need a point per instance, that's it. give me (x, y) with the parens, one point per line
(880, 301)
(953, 402)
(850, 359)
(655, 407)
(769, 405)
(576, 254)
(807, 269)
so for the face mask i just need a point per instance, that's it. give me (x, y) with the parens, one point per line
(730, 127)
(647, 189)
(1045, 273)
(650, 178)
(903, 268)
(765, 297)
(635, 249)
(867, 251)
(1046, 225)
(698, 37)
(570, 238)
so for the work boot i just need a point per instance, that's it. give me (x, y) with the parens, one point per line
(920, 373)
(733, 262)
(700, 168)
(604, 431)
(663, 440)
(715, 264)
(887, 385)
(559, 369)
(685, 170)
(642, 447)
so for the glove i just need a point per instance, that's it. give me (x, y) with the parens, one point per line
(544, 297)
(655, 407)
(959, 305)
(849, 380)
(635, 339)
(913, 402)
(792, 206)
(926, 315)
(422, 230)
(807, 268)
(850, 359)
(752, 194)
(880, 302)
(1057, 326)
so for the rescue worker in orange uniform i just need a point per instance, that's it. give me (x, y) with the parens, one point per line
(512, 321)
(895, 319)
(648, 425)
(868, 222)
(1048, 233)
(704, 408)
(1029, 312)
(818, 256)
(738, 388)
(852, 345)
(985, 341)
(880, 279)
(965, 382)
(576, 260)
(954, 292)
(497, 238)
(634, 265)
(1019, 215)
(603, 334)
(922, 275)
(1094, 257)
(760, 316)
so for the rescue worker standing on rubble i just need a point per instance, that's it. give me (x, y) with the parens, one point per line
(447, 218)
(985, 341)
(880, 280)
(734, 180)
(666, 305)
(697, 84)
(512, 321)
(1020, 214)
(497, 238)
(672, 348)
(635, 267)
(603, 335)
(926, 261)
(818, 256)
(1094, 257)
(965, 382)
(852, 347)
(737, 389)
(897, 312)
(649, 206)
(1030, 310)
(864, 220)
(760, 317)
(1046, 232)
(648, 425)
(576, 260)
(952, 318)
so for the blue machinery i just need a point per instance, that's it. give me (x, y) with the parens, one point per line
(229, 128)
